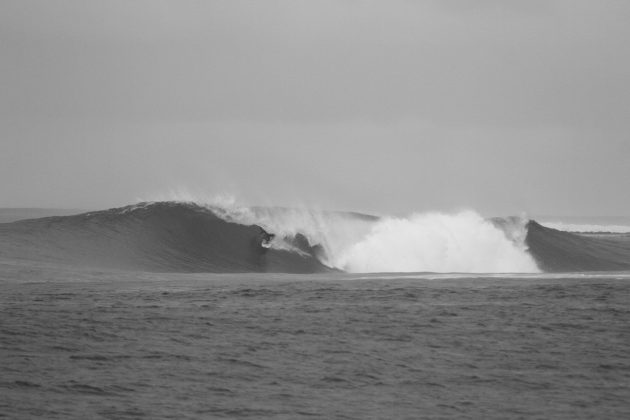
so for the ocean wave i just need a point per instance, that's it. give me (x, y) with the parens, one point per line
(587, 227)
(193, 237)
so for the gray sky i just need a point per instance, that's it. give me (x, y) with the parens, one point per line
(383, 106)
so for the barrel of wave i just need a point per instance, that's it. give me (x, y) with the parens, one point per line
(434, 242)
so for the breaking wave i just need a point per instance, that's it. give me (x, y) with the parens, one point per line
(434, 242)
(223, 237)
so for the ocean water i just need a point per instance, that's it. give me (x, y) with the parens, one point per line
(175, 310)
(98, 344)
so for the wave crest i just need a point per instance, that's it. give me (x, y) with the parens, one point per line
(435, 242)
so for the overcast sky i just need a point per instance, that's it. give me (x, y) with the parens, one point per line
(381, 106)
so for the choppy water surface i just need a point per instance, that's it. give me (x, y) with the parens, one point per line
(78, 344)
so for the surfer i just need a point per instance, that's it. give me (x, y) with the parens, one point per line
(266, 238)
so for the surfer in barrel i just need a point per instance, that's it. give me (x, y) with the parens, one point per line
(266, 238)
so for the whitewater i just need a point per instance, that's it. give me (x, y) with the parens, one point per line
(422, 242)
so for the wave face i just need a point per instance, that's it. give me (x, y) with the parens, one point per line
(560, 251)
(188, 237)
(159, 237)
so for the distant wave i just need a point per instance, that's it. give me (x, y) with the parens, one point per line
(189, 237)
(587, 228)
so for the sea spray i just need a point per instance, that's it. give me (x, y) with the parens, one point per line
(435, 242)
